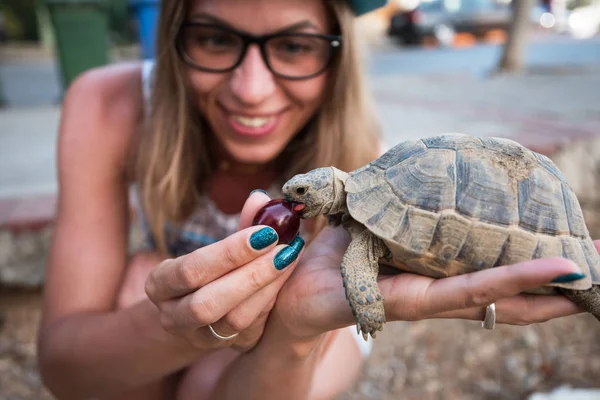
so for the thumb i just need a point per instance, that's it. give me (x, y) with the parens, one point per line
(253, 204)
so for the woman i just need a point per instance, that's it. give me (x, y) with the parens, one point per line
(243, 94)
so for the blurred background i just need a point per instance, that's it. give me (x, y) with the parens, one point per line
(528, 70)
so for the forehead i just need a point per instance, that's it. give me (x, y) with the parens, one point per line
(263, 16)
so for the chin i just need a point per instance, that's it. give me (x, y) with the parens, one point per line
(253, 154)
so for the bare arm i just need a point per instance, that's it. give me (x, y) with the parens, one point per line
(85, 347)
(88, 348)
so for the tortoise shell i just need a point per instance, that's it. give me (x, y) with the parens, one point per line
(454, 204)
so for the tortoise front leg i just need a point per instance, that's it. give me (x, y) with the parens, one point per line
(359, 272)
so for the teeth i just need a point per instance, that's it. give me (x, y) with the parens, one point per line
(253, 122)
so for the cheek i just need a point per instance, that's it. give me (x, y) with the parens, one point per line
(309, 93)
(204, 86)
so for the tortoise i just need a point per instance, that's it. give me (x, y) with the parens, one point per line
(448, 205)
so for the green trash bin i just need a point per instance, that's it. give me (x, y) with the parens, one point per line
(81, 35)
(2, 98)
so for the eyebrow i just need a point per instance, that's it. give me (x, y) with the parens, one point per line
(294, 27)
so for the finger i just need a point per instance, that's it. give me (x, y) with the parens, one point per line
(520, 310)
(597, 245)
(245, 315)
(219, 297)
(183, 275)
(475, 289)
(255, 201)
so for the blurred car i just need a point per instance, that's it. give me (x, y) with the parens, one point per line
(442, 19)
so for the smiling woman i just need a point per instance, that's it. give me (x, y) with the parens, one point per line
(243, 95)
(256, 84)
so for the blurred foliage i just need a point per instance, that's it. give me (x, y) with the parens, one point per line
(120, 24)
(572, 4)
(20, 15)
(11, 24)
(22, 22)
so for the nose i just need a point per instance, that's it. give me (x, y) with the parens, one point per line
(252, 82)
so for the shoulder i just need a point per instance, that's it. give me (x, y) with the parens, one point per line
(112, 88)
(101, 112)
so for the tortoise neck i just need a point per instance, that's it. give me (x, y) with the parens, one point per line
(338, 205)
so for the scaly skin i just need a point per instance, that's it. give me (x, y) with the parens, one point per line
(322, 193)
(360, 268)
(589, 300)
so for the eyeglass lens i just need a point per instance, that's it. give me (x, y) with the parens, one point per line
(217, 49)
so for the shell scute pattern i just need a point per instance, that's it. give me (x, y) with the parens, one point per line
(483, 246)
(366, 192)
(549, 166)
(453, 203)
(416, 229)
(449, 237)
(483, 191)
(574, 213)
(591, 255)
(541, 204)
(456, 141)
(426, 180)
(398, 154)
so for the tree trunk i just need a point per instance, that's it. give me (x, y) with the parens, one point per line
(513, 54)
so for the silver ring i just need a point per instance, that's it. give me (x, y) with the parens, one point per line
(221, 337)
(490, 317)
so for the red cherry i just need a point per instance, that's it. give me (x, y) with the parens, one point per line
(281, 215)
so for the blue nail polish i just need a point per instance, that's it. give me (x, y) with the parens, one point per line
(263, 238)
(258, 190)
(568, 278)
(288, 255)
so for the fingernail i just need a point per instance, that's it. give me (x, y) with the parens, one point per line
(263, 238)
(288, 255)
(568, 277)
(258, 190)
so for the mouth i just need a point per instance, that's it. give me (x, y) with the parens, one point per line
(298, 207)
(252, 122)
(252, 125)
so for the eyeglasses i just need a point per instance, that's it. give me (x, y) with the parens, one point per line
(215, 48)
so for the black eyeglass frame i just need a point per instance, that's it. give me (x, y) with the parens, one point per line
(335, 43)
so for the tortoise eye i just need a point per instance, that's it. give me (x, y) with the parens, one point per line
(300, 190)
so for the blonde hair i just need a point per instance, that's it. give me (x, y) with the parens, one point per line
(173, 157)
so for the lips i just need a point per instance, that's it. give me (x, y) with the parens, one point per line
(253, 126)
(252, 122)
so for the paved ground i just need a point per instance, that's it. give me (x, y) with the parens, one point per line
(541, 109)
(543, 52)
(27, 149)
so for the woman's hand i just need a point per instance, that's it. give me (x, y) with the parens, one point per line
(313, 301)
(230, 285)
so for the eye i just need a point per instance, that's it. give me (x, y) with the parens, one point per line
(300, 190)
(294, 46)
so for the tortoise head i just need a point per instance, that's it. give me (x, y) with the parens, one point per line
(320, 190)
